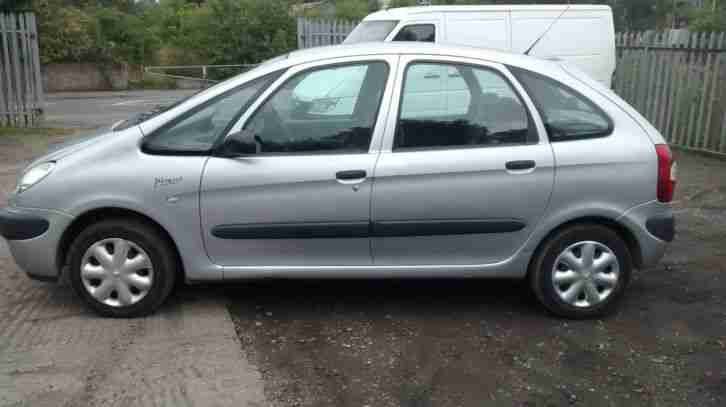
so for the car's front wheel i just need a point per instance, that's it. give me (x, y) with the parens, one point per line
(582, 271)
(122, 267)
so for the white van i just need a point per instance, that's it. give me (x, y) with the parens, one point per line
(583, 35)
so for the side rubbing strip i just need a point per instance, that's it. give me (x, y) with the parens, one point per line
(445, 227)
(366, 229)
(292, 230)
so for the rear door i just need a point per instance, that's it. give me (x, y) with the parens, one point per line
(465, 186)
(293, 185)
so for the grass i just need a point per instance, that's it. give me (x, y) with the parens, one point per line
(35, 131)
(37, 138)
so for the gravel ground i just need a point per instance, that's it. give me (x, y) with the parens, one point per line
(488, 343)
(384, 343)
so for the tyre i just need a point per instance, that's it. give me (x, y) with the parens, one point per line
(122, 268)
(581, 272)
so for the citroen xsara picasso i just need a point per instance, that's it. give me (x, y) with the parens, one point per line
(368, 160)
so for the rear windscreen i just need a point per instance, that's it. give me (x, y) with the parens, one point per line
(367, 31)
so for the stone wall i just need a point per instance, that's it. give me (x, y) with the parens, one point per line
(84, 76)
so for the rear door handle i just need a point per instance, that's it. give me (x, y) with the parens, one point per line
(520, 165)
(350, 176)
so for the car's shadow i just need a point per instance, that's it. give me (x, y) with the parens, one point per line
(380, 297)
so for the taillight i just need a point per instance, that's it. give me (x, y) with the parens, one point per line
(666, 173)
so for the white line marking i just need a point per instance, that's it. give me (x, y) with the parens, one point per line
(128, 102)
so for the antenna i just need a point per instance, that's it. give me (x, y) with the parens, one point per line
(547, 30)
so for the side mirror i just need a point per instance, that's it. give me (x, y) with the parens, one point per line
(235, 145)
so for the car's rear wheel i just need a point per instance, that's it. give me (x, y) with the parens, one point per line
(582, 271)
(122, 267)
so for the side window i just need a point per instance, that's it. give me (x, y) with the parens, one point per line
(417, 32)
(328, 92)
(198, 130)
(567, 114)
(471, 106)
(323, 110)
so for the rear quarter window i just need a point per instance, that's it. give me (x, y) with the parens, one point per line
(567, 114)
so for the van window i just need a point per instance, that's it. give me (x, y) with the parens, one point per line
(417, 32)
(376, 30)
(456, 105)
(566, 113)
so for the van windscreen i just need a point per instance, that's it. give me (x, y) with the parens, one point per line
(376, 30)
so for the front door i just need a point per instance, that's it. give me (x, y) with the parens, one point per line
(461, 186)
(293, 186)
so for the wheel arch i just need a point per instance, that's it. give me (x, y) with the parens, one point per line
(623, 231)
(91, 216)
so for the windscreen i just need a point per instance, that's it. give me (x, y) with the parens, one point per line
(366, 31)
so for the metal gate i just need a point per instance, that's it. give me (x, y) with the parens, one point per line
(21, 87)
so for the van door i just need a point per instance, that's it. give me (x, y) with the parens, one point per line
(484, 29)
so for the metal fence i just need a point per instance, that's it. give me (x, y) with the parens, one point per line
(204, 75)
(316, 32)
(681, 90)
(21, 87)
(676, 79)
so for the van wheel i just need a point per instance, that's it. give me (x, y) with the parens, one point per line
(122, 268)
(581, 272)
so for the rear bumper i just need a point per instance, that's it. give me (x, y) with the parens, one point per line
(653, 226)
(662, 226)
(33, 236)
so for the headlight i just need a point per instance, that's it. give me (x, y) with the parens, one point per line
(34, 175)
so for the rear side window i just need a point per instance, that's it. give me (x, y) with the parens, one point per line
(567, 114)
(459, 106)
(417, 32)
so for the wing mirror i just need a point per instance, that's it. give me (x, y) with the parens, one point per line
(237, 144)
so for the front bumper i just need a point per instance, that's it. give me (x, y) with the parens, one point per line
(33, 236)
(21, 226)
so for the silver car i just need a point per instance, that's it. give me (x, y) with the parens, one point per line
(369, 160)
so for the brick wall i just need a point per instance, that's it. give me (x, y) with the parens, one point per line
(83, 76)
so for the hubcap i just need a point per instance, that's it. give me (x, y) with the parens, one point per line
(117, 272)
(585, 274)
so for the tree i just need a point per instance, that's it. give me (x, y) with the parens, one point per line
(707, 20)
(401, 3)
(231, 31)
(373, 6)
(14, 5)
(121, 37)
(351, 9)
(64, 32)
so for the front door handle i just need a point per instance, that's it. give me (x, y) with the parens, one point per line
(520, 165)
(351, 175)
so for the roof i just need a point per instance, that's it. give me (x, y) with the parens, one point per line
(401, 12)
(403, 48)
(294, 58)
